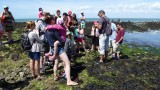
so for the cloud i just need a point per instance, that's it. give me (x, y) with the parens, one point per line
(153, 7)
(86, 7)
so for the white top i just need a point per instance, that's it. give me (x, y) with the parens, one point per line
(35, 41)
(114, 31)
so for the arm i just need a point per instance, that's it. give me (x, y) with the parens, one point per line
(36, 37)
(12, 17)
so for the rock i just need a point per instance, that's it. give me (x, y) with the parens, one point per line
(14, 56)
(2, 81)
(21, 74)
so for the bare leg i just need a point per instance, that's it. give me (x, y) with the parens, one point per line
(37, 69)
(10, 35)
(84, 45)
(65, 59)
(101, 58)
(55, 69)
(32, 69)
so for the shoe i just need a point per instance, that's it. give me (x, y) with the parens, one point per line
(42, 70)
(10, 41)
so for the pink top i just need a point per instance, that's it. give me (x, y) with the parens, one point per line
(40, 14)
(61, 30)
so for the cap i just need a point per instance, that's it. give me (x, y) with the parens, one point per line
(82, 12)
(96, 21)
(101, 11)
(5, 6)
(69, 12)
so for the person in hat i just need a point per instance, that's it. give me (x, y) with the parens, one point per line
(40, 14)
(82, 20)
(8, 21)
(103, 38)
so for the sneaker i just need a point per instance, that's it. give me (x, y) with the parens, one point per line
(42, 70)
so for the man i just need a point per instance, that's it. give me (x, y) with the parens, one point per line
(82, 18)
(118, 40)
(103, 38)
(112, 37)
(58, 16)
(8, 23)
(40, 14)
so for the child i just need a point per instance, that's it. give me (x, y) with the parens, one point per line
(95, 35)
(62, 31)
(1, 31)
(80, 37)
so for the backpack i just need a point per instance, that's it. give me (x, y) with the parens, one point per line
(25, 42)
(108, 29)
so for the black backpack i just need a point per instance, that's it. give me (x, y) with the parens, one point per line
(25, 43)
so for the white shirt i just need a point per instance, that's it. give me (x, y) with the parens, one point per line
(114, 30)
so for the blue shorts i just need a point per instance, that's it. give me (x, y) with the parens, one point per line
(34, 55)
(60, 50)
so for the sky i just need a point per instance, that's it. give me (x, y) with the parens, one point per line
(113, 8)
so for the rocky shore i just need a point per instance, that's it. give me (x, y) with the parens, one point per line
(137, 69)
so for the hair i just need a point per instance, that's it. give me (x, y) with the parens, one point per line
(29, 24)
(65, 14)
(49, 18)
(40, 9)
(120, 24)
(58, 11)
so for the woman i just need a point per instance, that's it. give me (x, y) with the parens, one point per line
(8, 21)
(34, 53)
(52, 36)
(95, 35)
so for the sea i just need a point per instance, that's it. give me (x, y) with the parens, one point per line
(113, 19)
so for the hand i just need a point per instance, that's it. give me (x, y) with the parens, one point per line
(117, 42)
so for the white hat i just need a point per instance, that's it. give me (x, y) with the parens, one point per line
(82, 12)
(5, 6)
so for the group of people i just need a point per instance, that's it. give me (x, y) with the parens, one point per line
(55, 37)
(107, 44)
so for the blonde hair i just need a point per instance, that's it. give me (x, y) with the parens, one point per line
(29, 24)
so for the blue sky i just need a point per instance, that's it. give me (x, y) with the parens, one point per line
(113, 8)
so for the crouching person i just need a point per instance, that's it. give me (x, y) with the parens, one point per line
(34, 53)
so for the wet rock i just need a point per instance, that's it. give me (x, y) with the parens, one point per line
(21, 74)
(2, 81)
(14, 56)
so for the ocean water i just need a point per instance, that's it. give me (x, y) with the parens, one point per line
(113, 19)
(150, 38)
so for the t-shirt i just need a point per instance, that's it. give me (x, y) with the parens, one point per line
(61, 30)
(103, 23)
(114, 31)
(119, 35)
(40, 14)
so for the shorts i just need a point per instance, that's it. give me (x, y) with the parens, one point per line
(34, 55)
(95, 40)
(60, 50)
(116, 47)
(103, 44)
(111, 42)
(80, 39)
